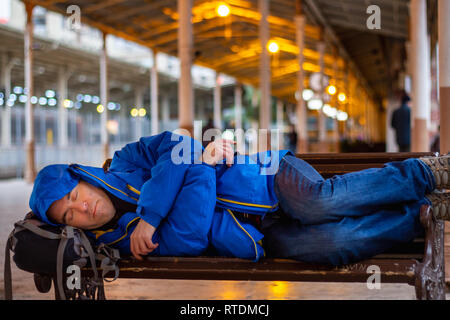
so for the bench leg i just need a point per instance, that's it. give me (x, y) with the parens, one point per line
(430, 273)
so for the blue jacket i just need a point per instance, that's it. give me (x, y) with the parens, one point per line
(190, 203)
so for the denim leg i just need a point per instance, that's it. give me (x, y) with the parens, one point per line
(305, 195)
(349, 240)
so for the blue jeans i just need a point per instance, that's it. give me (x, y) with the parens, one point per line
(346, 218)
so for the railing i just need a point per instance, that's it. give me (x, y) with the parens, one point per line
(12, 160)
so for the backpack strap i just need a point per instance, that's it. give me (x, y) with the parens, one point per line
(66, 234)
(7, 269)
(109, 258)
(35, 229)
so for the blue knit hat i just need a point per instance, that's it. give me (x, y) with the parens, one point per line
(52, 183)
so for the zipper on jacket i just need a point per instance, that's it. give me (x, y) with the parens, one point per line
(248, 204)
(126, 232)
(133, 189)
(243, 229)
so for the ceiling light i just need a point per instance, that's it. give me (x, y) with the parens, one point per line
(223, 10)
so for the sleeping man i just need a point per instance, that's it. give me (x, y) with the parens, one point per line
(166, 195)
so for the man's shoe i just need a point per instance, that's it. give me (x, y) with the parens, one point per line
(440, 166)
(440, 202)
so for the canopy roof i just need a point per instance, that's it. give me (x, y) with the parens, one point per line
(231, 44)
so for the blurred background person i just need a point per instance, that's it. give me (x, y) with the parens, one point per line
(292, 139)
(401, 123)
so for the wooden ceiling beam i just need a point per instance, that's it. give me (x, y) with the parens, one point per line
(126, 13)
(100, 6)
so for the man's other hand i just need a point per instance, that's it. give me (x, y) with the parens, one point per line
(217, 150)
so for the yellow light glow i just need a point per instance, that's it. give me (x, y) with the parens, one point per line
(223, 10)
(66, 103)
(100, 108)
(273, 47)
(142, 112)
(279, 289)
(134, 112)
(331, 90)
(342, 97)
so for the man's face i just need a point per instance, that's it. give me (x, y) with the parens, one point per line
(85, 207)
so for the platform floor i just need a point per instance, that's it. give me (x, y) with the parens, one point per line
(14, 195)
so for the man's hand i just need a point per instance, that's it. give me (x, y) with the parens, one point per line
(141, 240)
(217, 150)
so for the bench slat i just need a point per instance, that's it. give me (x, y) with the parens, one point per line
(220, 268)
(377, 157)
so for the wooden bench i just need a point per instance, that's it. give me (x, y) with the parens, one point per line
(419, 263)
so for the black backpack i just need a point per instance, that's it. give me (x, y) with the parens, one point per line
(47, 251)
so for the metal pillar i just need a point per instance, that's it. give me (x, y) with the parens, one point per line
(444, 74)
(346, 86)
(301, 112)
(264, 78)
(420, 68)
(63, 77)
(240, 142)
(104, 97)
(335, 122)
(139, 103)
(185, 47)
(444, 100)
(392, 104)
(165, 111)
(30, 168)
(280, 118)
(264, 65)
(7, 65)
(321, 118)
(154, 94)
(217, 104)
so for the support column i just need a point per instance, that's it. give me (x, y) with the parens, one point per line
(264, 77)
(239, 133)
(7, 65)
(138, 103)
(444, 101)
(348, 107)
(217, 105)
(280, 117)
(185, 47)
(63, 77)
(30, 167)
(444, 74)
(346, 88)
(301, 112)
(104, 97)
(165, 111)
(154, 94)
(367, 113)
(392, 104)
(334, 98)
(321, 118)
(420, 68)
